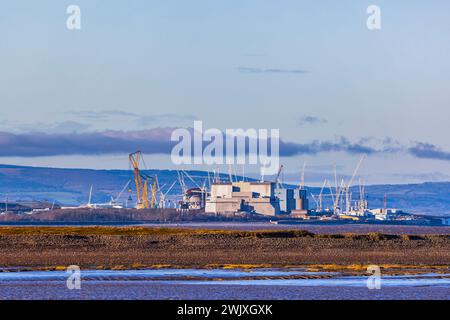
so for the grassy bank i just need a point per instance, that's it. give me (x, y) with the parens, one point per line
(141, 231)
(142, 247)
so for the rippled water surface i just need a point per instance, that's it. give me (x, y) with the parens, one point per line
(219, 284)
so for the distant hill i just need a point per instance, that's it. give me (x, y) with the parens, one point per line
(71, 187)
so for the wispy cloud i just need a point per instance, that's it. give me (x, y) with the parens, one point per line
(62, 127)
(87, 114)
(168, 117)
(140, 119)
(340, 145)
(270, 71)
(429, 151)
(310, 120)
(426, 176)
(48, 127)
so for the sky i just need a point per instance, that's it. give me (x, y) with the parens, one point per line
(312, 69)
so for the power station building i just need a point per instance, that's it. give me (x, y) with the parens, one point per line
(230, 197)
(258, 197)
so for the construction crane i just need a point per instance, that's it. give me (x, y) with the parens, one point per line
(114, 200)
(385, 203)
(338, 198)
(230, 173)
(153, 203)
(319, 199)
(321, 196)
(344, 188)
(349, 184)
(142, 183)
(302, 177)
(141, 186)
(162, 198)
(277, 179)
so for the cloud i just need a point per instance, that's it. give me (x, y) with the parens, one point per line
(65, 127)
(311, 120)
(87, 114)
(157, 141)
(139, 118)
(151, 141)
(47, 127)
(428, 151)
(270, 71)
(426, 176)
(288, 149)
(168, 117)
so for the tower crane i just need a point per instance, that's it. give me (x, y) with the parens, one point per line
(321, 196)
(302, 177)
(277, 179)
(349, 184)
(142, 183)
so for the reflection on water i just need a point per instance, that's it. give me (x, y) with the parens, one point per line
(433, 280)
(155, 274)
(219, 284)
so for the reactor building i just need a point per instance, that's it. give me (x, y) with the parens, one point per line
(263, 198)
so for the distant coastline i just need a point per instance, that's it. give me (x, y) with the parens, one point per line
(71, 187)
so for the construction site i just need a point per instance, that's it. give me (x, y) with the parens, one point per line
(230, 195)
(219, 195)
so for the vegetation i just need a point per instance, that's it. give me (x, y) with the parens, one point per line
(148, 231)
(145, 247)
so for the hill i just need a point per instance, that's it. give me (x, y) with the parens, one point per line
(71, 187)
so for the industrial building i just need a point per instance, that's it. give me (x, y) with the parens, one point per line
(230, 197)
(292, 201)
(257, 197)
(194, 199)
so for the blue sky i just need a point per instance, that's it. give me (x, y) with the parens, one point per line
(310, 68)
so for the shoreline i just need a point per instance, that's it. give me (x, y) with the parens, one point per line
(314, 227)
(327, 270)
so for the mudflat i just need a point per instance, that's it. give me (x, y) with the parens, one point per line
(142, 247)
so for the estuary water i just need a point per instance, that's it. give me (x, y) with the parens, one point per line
(206, 284)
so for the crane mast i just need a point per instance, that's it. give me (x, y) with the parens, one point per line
(141, 187)
(277, 179)
(142, 183)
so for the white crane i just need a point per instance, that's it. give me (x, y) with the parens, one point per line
(338, 198)
(302, 177)
(321, 196)
(114, 200)
(230, 173)
(162, 198)
(277, 178)
(344, 188)
(319, 199)
(349, 184)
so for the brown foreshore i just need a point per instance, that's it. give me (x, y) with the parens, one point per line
(143, 247)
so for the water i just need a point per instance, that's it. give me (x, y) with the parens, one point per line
(219, 284)
(154, 274)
